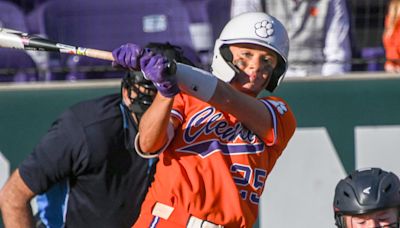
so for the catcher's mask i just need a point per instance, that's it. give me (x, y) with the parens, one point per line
(143, 89)
(141, 92)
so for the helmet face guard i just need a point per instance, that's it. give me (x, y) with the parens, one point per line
(144, 90)
(366, 191)
(134, 81)
(254, 28)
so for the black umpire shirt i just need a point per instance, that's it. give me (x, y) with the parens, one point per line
(87, 154)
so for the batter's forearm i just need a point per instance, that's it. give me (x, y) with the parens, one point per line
(206, 87)
(154, 124)
(17, 217)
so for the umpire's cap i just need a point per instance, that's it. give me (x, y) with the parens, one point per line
(365, 191)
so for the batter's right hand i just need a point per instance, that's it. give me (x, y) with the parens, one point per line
(127, 56)
(155, 68)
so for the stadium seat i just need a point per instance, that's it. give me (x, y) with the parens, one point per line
(375, 58)
(105, 25)
(11, 16)
(207, 18)
(15, 65)
(200, 27)
(219, 11)
(214, 12)
(197, 10)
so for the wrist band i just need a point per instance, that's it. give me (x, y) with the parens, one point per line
(170, 134)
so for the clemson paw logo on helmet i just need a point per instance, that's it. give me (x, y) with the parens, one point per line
(264, 29)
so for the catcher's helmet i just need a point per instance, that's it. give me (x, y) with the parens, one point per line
(365, 191)
(254, 28)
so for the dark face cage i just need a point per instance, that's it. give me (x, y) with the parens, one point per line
(144, 91)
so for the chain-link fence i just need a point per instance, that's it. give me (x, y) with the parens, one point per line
(367, 23)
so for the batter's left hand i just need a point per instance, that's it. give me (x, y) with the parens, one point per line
(127, 56)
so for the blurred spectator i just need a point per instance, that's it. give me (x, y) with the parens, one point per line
(318, 32)
(391, 37)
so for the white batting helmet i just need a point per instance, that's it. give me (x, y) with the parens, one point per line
(254, 28)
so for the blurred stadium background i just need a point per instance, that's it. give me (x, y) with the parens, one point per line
(103, 24)
(345, 122)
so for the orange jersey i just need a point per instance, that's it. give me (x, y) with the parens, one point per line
(214, 168)
(391, 42)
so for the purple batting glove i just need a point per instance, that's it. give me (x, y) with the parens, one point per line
(127, 56)
(155, 68)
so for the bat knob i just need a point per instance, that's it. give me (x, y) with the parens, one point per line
(171, 68)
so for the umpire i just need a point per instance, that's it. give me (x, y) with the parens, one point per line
(84, 171)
